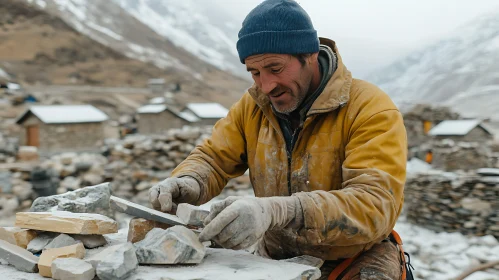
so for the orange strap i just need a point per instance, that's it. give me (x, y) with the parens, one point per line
(347, 262)
(341, 267)
(398, 240)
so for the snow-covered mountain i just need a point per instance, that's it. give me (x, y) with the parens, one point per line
(168, 33)
(461, 71)
(193, 25)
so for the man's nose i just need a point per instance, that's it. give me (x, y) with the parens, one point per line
(268, 83)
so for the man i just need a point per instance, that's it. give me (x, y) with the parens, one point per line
(326, 154)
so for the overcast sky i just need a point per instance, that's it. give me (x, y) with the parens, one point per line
(373, 33)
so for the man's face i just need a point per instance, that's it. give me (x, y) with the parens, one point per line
(282, 77)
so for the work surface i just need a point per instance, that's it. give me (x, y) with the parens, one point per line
(219, 264)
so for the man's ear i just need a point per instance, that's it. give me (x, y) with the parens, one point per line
(313, 58)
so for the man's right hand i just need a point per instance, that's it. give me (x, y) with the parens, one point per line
(167, 194)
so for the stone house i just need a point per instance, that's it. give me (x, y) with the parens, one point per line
(61, 128)
(208, 113)
(156, 85)
(462, 131)
(421, 119)
(158, 118)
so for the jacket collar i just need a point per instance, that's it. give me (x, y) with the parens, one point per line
(335, 94)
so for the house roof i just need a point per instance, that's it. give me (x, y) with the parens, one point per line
(4, 77)
(158, 108)
(156, 81)
(157, 100)
(208, 110)
(188, 116)
(152, 109)
(65, 114)
(455, 127)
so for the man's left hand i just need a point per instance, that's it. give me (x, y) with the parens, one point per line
(237, 223)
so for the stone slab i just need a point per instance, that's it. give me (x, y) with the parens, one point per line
(139, 227)
(223, 264)
(94, 199)
(140, 211)
(91, 241)
(67, 222)
(103, 255)
(17, 236)
(62, 240)
(120, 263)
(192, 215)
(20, 258)
(176, 245)
(38, 243)
(49, 255)
(72, 268)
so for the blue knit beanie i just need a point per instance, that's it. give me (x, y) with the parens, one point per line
(277, 26)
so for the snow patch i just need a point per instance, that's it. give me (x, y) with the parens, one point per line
(104, 30)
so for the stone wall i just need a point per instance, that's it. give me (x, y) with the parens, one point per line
(478, 134)
(132, 165)
(452, 202)
(449, 155)
(57, 138)
(159, 123)
(414, 119)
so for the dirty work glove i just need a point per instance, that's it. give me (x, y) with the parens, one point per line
(167, 194)
(239, 223)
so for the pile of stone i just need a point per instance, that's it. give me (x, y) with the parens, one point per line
(449, 155)
(455, 202)
(54, 242)
(8, 148)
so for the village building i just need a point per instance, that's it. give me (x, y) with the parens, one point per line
(61, 128)
(421, 119)
(462, 131)
(158, 118)
(156, 85)
(208, 113)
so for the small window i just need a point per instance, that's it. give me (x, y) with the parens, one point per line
(427, 125)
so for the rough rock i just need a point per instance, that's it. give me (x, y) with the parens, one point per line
(67, 222)
(192, 215)
(38, 243)
(62, 240)
(72, 268)
(139, 227)
(115, 262)
(91, 241)
(9, 204)
(188, 134)
(18, 257)
(49, 255)
(27, 153)
(5, 182)
(17, 236)
(93, 199)
(23, 190)
(306, 260)
(175, 245)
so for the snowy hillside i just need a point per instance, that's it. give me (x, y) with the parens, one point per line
(168, 33)
(459, 71)
(195, 26)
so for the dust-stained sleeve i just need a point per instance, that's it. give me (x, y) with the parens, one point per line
(220, 157)
(369, 202)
